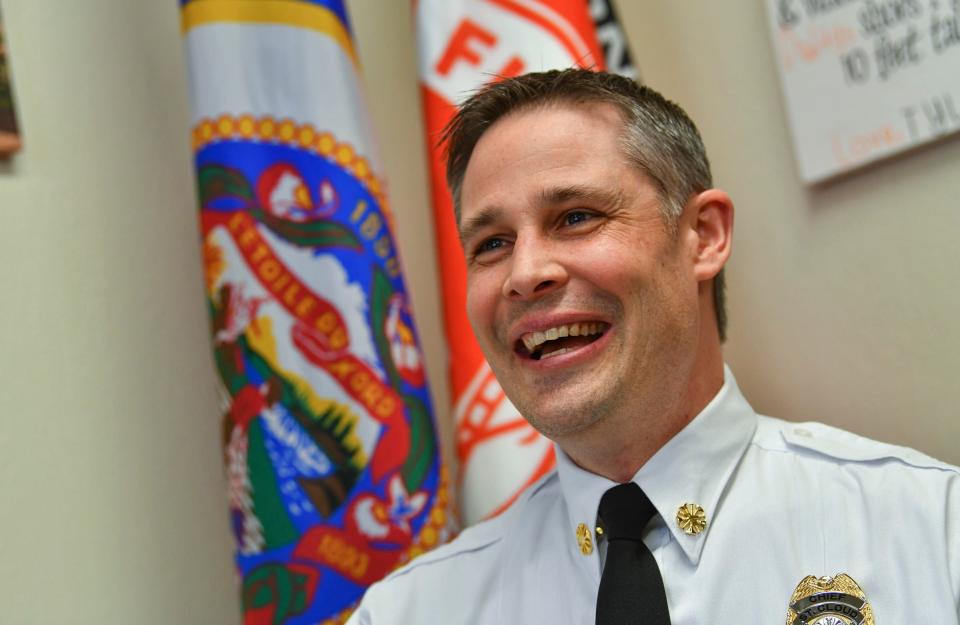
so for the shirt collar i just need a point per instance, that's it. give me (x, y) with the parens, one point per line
(693, 467)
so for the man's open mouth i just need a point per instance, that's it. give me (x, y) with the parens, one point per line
(560, 339)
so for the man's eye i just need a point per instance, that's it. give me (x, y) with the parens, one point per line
(575, 217)
(490, 245)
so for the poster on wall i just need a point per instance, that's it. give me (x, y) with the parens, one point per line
(865, 79)
(9, 134)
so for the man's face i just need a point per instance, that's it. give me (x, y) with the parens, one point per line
(582, 301)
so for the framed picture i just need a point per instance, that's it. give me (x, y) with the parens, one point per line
(9, 133)
(864, 80)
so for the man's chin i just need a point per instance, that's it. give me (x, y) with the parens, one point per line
(563, 421)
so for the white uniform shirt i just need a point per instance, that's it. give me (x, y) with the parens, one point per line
(782, 500)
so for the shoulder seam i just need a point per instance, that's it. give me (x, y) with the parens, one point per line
(882, 452)
(823, 456)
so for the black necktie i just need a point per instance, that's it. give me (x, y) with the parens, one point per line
(631, 589)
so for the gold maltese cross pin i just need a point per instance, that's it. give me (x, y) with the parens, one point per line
(829, 601)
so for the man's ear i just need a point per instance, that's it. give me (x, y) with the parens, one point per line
(710, 215)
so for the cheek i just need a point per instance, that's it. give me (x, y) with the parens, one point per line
(482, 298)
(680, 299)
(625, 274)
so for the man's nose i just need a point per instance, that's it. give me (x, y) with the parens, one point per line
(535, 271)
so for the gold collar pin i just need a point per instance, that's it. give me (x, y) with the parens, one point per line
(584, 540)
(691, 518)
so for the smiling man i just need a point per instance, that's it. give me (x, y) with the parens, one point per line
(595, 246)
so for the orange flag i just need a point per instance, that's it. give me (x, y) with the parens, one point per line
(462, 45)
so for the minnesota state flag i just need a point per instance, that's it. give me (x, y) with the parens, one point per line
(329, 442)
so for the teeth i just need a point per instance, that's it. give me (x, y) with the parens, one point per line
(563, 350)
(532, 340)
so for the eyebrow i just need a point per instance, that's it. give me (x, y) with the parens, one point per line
(593, 195)
(469, 226)
(547, 197)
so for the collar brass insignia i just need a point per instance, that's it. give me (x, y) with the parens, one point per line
(584, 540)
(829, 601)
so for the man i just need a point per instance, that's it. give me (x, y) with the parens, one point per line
(595, 245)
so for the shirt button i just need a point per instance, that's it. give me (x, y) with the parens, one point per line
(803, 432)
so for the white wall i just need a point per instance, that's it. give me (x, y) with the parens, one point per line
(112, 501)
(112, 506)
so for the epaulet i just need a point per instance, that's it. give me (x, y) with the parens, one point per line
(477, 537)
(844, 446)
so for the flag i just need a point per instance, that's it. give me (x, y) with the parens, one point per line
(334, 475)
(613, 41)
(462, 44)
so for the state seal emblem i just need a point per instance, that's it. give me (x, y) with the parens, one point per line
(829, 601)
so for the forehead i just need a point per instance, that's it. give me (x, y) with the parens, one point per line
(554, 124)
(528, 153)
